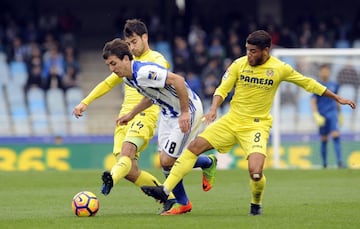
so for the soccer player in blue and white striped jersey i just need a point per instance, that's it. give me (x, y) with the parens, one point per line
(181, 110)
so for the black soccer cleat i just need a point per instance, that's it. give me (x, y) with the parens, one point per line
(157, 192)
(255, 209)
(108, 183)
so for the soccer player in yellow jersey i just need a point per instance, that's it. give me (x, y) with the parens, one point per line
(255, 78)
(131, 139)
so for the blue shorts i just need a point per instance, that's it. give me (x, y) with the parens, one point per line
(331, 124)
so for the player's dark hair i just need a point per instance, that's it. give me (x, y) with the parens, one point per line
(134, 26)
(324, 65)
(118, 48)
(259, 38)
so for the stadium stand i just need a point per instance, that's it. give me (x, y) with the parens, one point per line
(37, 110)
(76, 126)
(4, 70)
(5, 125)
(56, 105)
(18, 72)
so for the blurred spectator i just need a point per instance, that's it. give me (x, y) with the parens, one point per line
(17, 51)
(305, 35)
(287, 38)
(70, 78)
(216, 49)
(196, 34)
(198, 57)
(272, 29)
(12, 29)
(31, 33)
(48, 21)
(53, 79)
(54, 60)
(342, 28)
(35, 79)
(35, 58)
(194, 82)
(68, 25)
(181, 55)
(321, 42)
(48, 42)
(327, 33)
(233, 48)
(355, 28)
(70, 59)
(212, 67)
(210, 83)
(235, 52)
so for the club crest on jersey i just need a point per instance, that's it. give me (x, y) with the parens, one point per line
(270, 72)
(152, 75)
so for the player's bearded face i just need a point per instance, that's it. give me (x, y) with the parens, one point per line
(255, 55)
(136, 45)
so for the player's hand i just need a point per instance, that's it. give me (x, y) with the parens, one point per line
(79, 110)
(124, 120)
(319, 119)
(209, 117)
(343, 101)
(184, 122)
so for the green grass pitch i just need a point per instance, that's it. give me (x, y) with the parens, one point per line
(293, 199)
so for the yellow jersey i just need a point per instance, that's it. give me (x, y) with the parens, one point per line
(255, 86)
(131, 96)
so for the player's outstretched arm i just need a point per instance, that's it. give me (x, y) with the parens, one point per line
(339, 99)
(99, 90)
(144, 104)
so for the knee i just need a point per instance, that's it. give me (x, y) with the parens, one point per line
(166, 162)
(256, 164)
(199, 145)
(256, 176)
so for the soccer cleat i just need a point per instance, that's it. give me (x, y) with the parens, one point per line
(255, 209)
(168, 204)
(178, 209)
(157, 192)
(208, 178)
(108, 183)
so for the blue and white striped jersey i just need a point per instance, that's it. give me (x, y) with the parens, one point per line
(149, 79)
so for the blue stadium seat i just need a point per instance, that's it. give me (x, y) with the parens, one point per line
(37, 109)
(342, 43)
(5, 120)
(4, 71)
(73, 96)
(76, 126)
(18, 72)
(55, 102)
(164, 48)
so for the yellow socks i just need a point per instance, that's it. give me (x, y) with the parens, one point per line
(146, 179)
(121, 168)
(257, 190)
(183, 165)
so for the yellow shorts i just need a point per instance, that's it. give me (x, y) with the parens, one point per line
(252, 135)
(143, 126)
